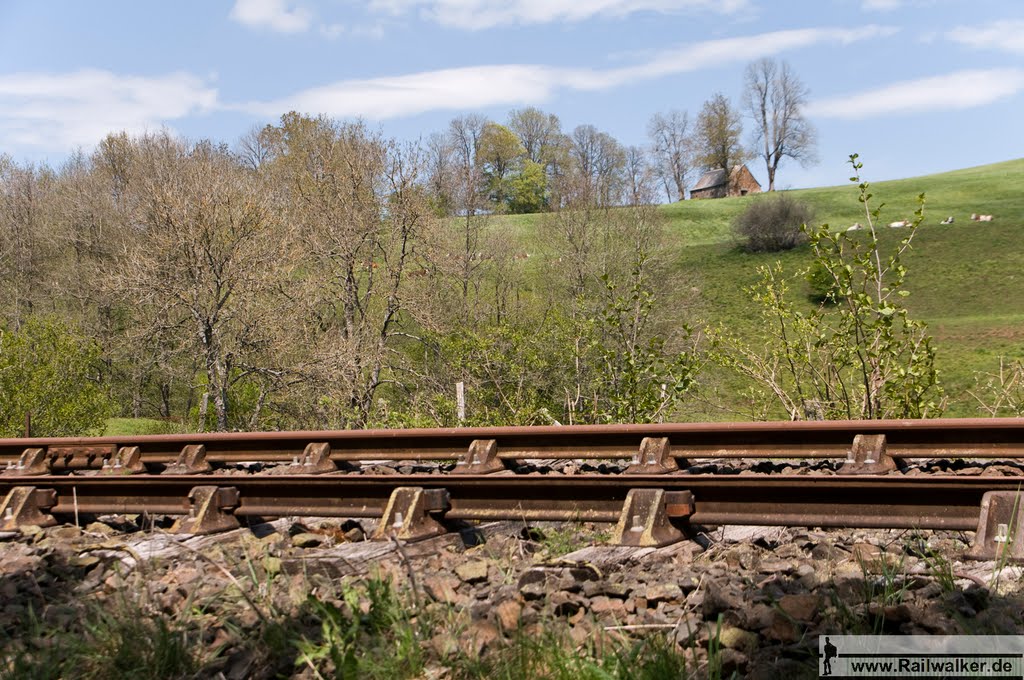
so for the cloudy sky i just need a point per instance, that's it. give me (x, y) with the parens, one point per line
(914, 86)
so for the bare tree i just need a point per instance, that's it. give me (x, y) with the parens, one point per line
(537, 131)
(774, 98)
(254, 147)
(441, 172)
(464, 134)
(205, 261)
(24, 242)
(461, 258)
(718, 135)
(113, 159)
(639, 176)
(672, 149)
(358, 203)
(88, 218)
(617, 346)
(599, 160)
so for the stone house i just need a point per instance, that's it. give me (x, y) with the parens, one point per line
(712, 184)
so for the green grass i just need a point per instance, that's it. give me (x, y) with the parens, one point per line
(128, 427)
(119, 640)
(552, 657)
(366, 629)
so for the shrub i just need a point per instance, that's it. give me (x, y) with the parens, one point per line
(824, 287)
(772, 224)
(863, 357)
(50, 370)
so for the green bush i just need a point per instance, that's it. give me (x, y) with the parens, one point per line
(824, 287)
(773, 224)
(49, 370)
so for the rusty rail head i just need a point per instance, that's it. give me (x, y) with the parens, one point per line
(944, 438)
(922, 502)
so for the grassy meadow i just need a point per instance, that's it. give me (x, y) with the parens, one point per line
(966, 279)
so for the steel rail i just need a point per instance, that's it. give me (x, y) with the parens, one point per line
(988, 438)
(919, 502)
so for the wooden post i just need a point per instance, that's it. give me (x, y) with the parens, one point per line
(460, 400)
(28, 424)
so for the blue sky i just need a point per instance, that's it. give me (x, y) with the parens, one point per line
(914, 86)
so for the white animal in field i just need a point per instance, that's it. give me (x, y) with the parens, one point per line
(981, 218)
(948, 220)
(899, 223)
(854, 227)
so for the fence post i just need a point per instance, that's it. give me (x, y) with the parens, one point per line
(460, 400)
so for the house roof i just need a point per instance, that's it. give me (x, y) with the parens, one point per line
(710, 179)
(716, 178)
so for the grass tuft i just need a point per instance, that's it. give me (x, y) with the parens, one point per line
(120, 641)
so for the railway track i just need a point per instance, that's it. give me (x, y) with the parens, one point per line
(655, 499)
(896, 439)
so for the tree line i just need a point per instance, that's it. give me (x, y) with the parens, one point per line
(321, 287)
(523, 164)
(318, 274)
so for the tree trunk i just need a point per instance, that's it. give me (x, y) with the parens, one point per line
(204, 403)
(217, 376)
(165, 399)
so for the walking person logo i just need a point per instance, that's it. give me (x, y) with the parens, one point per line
(830, 653)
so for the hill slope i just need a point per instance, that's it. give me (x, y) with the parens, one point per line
(966, 279)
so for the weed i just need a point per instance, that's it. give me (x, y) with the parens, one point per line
(654, 658)
(887, 589)
(1001, 393)
(23, 656)
(558, 541)
(129, 646)
(552, 656)
(884, 584)
(379, 640)
(938, 565)
(120, 641)
(715, 652)
(1006, 543)
(569, 537)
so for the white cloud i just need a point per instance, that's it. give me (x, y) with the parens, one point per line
(366, 31)
(1006, 35)
(481, 14)
(281, 16)
(880, 5)
(60, 111)
(458, 88)
(959, 90)
(892, 5)
(512, 84)
(713, 53)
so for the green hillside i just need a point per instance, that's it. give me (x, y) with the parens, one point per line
(966, 279)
